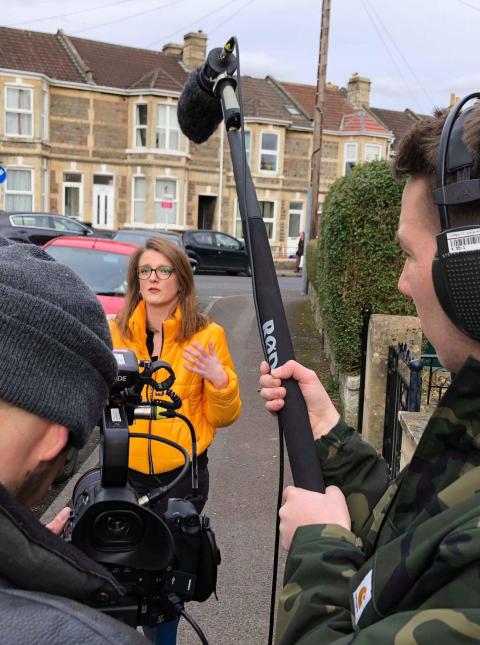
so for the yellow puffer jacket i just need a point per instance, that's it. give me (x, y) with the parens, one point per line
(206, 407)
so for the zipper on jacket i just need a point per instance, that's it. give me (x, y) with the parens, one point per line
(150, 456)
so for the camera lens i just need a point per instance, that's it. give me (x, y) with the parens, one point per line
(117, 530)
(117, 526)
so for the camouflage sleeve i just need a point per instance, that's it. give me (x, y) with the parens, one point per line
(320, 591)
(354, 466)
(314, 606)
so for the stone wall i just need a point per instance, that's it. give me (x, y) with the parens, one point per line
(384, 330)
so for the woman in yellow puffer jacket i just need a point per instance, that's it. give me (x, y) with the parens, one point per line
(160, 319)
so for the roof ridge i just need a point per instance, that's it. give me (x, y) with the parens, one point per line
(138, 49)
(154, 73)
(279, 86)
(83, 69)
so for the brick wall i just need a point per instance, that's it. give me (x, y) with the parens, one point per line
(69, 107)
(69, 132)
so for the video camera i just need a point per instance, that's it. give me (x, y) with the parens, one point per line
(161, 561)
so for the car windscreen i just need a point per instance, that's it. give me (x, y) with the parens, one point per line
(141, 237)
(105, 273)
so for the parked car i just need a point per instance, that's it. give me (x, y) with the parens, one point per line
(215, 251)
(39, 228)
(101, 263)
(141, 235)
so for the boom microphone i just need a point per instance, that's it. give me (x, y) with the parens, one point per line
(199, 108)
(199, 111)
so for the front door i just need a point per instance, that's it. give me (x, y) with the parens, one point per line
(206, 211)
(103, 198)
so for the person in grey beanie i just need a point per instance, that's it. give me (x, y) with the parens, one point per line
(56, 370)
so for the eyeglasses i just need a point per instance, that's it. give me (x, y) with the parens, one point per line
(162, 272)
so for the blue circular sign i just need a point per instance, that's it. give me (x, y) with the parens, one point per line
(3, 174)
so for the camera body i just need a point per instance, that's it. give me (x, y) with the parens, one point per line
(160, 560)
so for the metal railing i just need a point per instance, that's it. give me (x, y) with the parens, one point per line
(404, 391)
(438, 378)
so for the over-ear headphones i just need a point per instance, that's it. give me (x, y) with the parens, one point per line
(456, 266)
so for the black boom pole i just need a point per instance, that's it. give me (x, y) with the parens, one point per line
(273, 328)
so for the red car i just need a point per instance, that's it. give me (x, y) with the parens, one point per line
(100, 262)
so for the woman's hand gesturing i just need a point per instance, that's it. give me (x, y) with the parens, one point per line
(205, 364)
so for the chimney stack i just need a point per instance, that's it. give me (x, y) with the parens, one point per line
(194, 49)
(453, 99)
(172, 49)
(358, 91)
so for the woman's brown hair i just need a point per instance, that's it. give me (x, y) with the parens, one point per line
(192, 319)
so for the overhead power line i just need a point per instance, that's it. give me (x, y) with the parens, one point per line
(190, 25)
(390, 55)
(232, 15)
(411, 70)
(67, 15)
(468, 4)
(132, 15)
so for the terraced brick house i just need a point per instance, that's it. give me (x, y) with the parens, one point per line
(89, 129)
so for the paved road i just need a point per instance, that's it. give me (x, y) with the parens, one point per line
(244, 476)
(244, 472)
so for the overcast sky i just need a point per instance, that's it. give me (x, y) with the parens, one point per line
(416, 52)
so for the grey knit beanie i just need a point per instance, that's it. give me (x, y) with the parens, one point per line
(55, 345)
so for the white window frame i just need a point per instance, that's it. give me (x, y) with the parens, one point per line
(19, 111)
(73, 184)
(349, 158)
(137, 126)
(375, 146)
(168, 128)
(296, 211)
(44, 114)
(21, 192)
(274, 153)
(175, 201)
(270, 219)
(139, 176)
(238, 221)
(248, 150)
(45, 188)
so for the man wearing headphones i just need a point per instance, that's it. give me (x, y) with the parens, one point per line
(380, 561)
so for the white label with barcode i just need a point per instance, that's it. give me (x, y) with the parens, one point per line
(115, 415)
(120, 358)
(459, 241)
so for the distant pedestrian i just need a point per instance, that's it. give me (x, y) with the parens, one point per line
(299, 253)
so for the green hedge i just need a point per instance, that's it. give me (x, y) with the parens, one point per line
(358, 258)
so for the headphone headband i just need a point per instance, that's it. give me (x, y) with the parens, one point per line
(456, 266)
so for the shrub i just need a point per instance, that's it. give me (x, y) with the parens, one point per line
(358, 258)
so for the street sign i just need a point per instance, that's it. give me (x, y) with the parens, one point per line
(3, 174)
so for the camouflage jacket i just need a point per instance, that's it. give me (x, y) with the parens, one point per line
(409, 571)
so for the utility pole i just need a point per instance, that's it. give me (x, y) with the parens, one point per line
(318, 116)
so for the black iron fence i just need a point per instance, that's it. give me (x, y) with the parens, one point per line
(438, 378)
(404, 392)
(409, 379)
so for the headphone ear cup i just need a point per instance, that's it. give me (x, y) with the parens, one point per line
(441, 288)
(458, 290)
